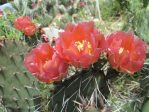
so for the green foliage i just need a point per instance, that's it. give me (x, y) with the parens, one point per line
(6, 25)
(137, 18)
(22, 6)
(145, 3)
(18, 88)
(110, 8)
(44, 21)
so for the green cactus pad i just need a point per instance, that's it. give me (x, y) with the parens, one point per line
(17, 87)
(145, 107)
(81, 84)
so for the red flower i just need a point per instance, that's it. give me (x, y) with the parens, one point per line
(25, 25)
(80, 45)
(45, 64)
(30, 30)
(126, 52)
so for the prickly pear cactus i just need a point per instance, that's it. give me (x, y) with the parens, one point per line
(145, 107)
(81, 84)
(141, 102)
(17, 87)
(145, 87)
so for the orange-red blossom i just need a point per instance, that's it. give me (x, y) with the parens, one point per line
(44, 63)
(126, 52)
(80, 45)
(25, 25)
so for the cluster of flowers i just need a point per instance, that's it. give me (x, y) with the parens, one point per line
(25, 25)
(80, 45)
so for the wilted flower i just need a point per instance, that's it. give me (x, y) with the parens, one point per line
(126, 52)
(25, 25)
(45, 64)
(80, 45)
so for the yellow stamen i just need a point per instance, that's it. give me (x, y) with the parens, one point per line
(121, 50)
(80, 45)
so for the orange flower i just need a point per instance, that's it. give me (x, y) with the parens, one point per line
(126, 53)
(80, 45)
(25, 25)
(45, 64)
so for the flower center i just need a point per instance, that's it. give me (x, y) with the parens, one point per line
(80, 46)
(121, 50)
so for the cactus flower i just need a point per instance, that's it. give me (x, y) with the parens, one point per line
(45, 64)
(126, 52)
(80, 45)
(25, 25)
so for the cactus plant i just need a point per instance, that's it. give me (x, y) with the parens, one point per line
(145, 87)
(18, 89)
(81, 84)
(145, 107)
(137, 18)
(141, 102)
